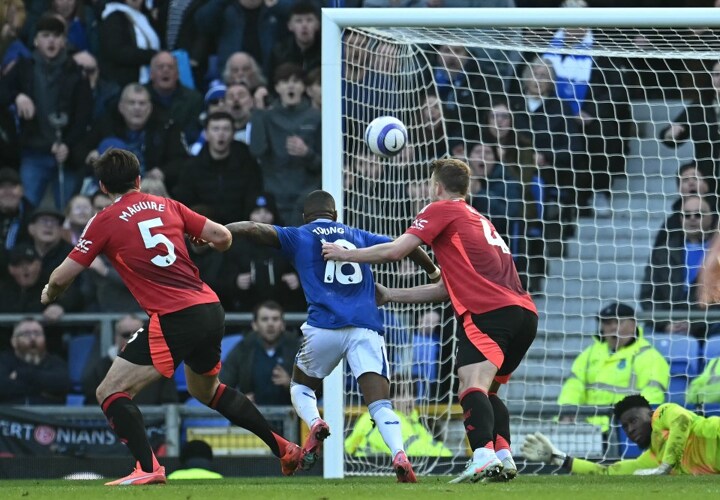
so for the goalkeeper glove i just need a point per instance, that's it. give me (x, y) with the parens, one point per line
(660, 470)
(538, 448)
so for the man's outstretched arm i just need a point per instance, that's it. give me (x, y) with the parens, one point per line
(435, 292)
(385, 252)
(538, 448)
(265, 234)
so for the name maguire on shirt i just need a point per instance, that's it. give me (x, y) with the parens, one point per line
(135, 208)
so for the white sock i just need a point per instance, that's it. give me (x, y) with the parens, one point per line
(388, 423)
(483, 454)
(305, 402)
(503, 454)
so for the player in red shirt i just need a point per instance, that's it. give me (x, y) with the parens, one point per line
(144, 238)
(497, 319)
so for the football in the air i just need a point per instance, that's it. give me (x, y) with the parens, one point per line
(386, 136)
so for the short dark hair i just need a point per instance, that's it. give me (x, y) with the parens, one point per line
(52, 23)
(285, 71)
(318, 201)
(219, 115)
(304, 7)
(117, 169)
(704, 170)
(28, 319)
(268, 304)
(628, 403)
(453, 174)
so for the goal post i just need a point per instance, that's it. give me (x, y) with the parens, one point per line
(603, 261)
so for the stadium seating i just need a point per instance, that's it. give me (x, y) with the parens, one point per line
(229, 342)
(683, 356)
(74, 400)
(711, 410)
(712, 348)
(682, 353)
(80, 350)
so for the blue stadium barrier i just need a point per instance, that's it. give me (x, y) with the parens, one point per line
(80, 349)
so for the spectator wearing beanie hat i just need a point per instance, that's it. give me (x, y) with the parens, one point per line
(214, 101)
(256, 273)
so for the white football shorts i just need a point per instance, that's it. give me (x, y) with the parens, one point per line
(323, 349)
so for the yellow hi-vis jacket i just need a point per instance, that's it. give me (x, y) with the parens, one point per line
(706, 388)
(601, 377)
(366, 440)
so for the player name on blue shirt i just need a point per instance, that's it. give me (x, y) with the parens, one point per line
(339, 294)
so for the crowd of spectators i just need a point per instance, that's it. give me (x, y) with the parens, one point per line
(220, 100)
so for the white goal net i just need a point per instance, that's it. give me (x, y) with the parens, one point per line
(580, 141)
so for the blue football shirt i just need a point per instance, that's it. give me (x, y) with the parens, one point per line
(339, 294)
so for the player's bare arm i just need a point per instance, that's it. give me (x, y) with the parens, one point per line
(435, 292)
(385, 252)
(60, 280)
(422, 259)
(216, 235)
(264, 234)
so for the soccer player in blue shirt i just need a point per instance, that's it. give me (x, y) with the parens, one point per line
(343, 321)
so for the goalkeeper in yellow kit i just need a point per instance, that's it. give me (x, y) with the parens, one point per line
(675, 440)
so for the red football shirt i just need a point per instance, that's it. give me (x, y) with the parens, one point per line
(144, 238)
(477, 266)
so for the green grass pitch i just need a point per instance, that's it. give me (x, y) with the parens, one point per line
(376, 488)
